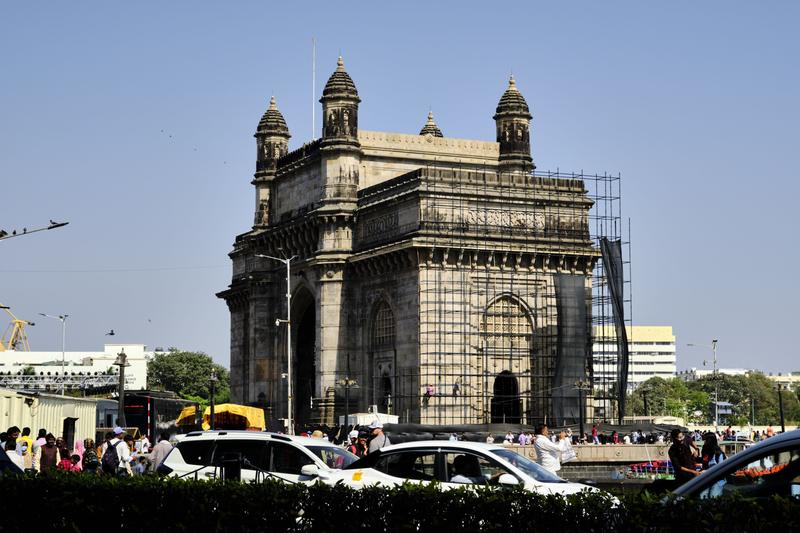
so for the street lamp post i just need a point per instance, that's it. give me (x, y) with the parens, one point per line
(53, 225)
(63, 319)
(347, 383)
(288, 321)
(213, 380)
(121, 362)
(780, 407)
(715, 377)
(582, 387)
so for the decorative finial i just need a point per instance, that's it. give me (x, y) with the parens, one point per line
(430, 127)
(512, 84)
(272, 104)
(340, 64)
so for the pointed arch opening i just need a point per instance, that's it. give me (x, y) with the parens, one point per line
(382, 356)
(304, 379)
(507, 331)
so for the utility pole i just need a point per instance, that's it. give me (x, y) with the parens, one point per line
(288, 321)
(213, 391)
(63, 319)
(715, 377)
(716, 387)
(121, 362)
(644, 398)
(582, 387)
(780, 406)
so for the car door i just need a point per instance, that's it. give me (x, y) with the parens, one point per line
(397, 467)
(467, 468)
(250, 454)
(191, 459)
(773, 471)
(287, 460)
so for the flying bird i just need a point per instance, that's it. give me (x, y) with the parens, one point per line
(111, 333)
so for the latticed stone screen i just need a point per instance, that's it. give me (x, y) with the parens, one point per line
(507, 327)
(383, 331)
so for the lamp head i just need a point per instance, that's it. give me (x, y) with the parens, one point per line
(122, 359)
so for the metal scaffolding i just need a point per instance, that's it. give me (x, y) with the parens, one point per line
(502, 336)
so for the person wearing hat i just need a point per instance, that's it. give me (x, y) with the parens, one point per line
(123, 452)
(352, 445)
(377, 438)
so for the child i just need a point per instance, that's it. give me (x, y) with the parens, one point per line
(141, 466)
(67, 464)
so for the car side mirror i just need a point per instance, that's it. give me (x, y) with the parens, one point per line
(309, 470)
(507, 479)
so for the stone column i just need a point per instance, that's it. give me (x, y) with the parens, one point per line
(331, 301)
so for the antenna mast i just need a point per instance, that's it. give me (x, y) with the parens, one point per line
(313, 86)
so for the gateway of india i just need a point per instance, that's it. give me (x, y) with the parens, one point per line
(435, 278)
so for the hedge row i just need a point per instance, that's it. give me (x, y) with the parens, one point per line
(83, 504)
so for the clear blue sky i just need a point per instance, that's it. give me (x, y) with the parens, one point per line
(134, 122)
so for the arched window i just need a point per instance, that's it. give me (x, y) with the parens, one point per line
(507, 327)
(383, 327)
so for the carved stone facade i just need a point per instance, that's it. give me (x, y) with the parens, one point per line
(441, 275)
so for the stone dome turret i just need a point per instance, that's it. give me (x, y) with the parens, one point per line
(340, 84)
(512, 102)
(272, 122)
(513, 122)
(430, 127)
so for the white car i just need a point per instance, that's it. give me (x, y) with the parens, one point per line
(256, 456)
(453, 464)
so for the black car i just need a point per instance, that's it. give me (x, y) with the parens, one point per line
(771, 467)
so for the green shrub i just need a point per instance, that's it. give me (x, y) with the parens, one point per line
(79, 503)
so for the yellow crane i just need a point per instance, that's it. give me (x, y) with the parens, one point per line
(14, 335)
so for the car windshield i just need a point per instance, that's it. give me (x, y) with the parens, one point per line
(332, 456)
(526, 465)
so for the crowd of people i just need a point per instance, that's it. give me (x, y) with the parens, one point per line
(358, 440)
(636, 436)
(119, 454)
(689, 461)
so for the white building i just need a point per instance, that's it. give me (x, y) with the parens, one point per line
(790, 381)
(693, 374)
(651, 353)
(43, 370)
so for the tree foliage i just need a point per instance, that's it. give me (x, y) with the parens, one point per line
(753, 393)
(188, 374)
(750, 394)
(667, 397)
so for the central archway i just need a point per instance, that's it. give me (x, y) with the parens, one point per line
(506, 405)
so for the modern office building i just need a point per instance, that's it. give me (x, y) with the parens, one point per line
(651, 353)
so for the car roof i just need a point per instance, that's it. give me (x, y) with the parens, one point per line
(778, 441)
(225, 434)
(456, 444)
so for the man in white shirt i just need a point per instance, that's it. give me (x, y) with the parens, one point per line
(379, 439)
(123, 452)
(548, 453)
(160, 451)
